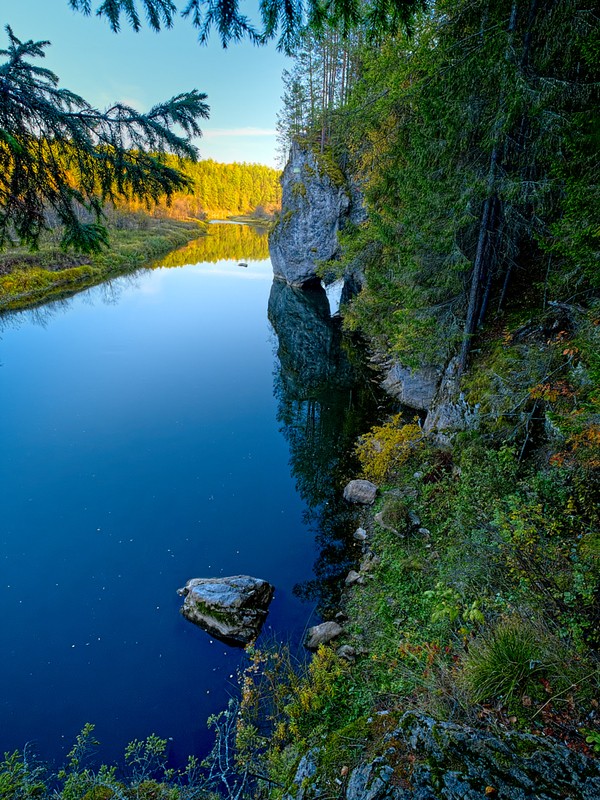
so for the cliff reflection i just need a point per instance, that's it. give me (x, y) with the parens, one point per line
(326, 398)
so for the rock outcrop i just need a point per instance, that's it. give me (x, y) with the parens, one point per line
(316, 203)
(428, 760)
(434, 390)
(322, 634)
(231, 609)
(416, 388)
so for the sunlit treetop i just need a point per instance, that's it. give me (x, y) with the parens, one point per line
(281, 19)
(62, 158)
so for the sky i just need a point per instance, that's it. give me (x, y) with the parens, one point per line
(243, 82)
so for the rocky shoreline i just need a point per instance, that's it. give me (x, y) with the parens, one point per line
(497, 750)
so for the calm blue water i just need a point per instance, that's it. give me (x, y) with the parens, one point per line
(140, 447)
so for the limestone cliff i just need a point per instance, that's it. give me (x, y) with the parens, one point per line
(317, 201)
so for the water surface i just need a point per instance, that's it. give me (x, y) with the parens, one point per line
(143, 444)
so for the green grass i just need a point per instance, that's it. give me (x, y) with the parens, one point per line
(29, 279)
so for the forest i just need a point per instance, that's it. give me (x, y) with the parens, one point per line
(470, 128)
(219, 190)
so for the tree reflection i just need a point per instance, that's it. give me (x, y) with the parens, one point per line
(220, 243)
(326, 398)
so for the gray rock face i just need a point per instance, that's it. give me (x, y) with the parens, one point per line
(313, 209)
(435, 390)
(360, 491)
(231, 609)
(450, 412)
(370, 781)
(459, 763)
(412, 387)
(304, 779)
(322, 634)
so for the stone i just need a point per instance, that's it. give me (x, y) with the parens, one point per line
(458, 763)
(379, 519)
(347, 652)
(304, 779)
(369, 562)
(360, 491)
(322, 634)
(360, 535)
(450, 412)
(316, 204)
(414, 520)
(369, 781)
(416, 388)
(232, 609)
(353, 577)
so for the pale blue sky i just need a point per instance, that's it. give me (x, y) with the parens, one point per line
(243, 83)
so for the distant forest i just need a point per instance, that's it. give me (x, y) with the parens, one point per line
(220, 190)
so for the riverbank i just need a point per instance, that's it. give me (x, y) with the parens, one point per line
(29, 279)
(472, 612)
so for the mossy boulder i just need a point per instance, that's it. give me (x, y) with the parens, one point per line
(231, 609)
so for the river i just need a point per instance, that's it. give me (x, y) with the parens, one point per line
(188, 421)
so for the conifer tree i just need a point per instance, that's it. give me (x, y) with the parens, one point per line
(283, 17)
(60, 156)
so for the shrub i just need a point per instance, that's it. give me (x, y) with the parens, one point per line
(508, 662)
(387, 447)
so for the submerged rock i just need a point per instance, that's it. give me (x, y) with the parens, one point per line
(231, 609)
(360, 491)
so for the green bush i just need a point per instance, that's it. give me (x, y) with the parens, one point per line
(508, 662)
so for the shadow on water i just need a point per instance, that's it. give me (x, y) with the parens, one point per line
(326, 396)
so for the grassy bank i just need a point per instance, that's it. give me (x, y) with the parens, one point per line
(476, 593)
(29, 279)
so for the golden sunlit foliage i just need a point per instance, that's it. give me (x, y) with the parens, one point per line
(221, 243)
(220, 190)
(387, 447)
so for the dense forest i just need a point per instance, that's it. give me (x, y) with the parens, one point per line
(474, 143)
(220, 190)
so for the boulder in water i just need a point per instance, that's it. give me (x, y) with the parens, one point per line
(231, 609)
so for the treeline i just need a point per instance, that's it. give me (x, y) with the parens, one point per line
(324, 70)
(220, 190)
(476, 143)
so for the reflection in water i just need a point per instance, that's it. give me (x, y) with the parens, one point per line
(234, 242)
(221, 243)
(108, 293)
(326, 398)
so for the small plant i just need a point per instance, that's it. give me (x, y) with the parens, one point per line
(592, 738)
(387, 447)
(508, 662)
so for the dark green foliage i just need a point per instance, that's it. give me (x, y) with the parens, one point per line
(61, 159)
(477, 150)
(285, 17)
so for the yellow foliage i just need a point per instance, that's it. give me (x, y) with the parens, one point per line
(387, 447)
